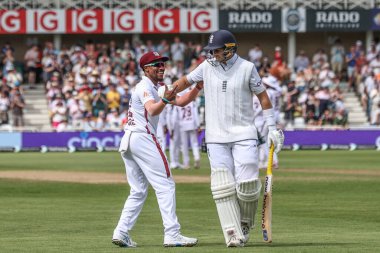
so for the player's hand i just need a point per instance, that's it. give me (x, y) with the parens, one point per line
(168, 92)
(277, 138)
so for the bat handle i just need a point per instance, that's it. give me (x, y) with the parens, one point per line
(270, 160)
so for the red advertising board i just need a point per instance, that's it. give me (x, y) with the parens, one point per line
(100, 21)
(84, 21)
(12, 21)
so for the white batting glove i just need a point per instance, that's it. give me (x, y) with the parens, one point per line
(277, 138)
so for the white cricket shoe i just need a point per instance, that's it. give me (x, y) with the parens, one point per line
(123, 239)
(235, 242)
(179, 241)
(245, 229)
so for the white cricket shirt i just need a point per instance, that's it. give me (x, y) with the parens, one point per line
(228, 99)
(139, 119)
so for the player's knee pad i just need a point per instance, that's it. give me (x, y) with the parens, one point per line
(223, 189)
(248, 193)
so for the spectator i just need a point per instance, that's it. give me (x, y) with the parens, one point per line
(319, 58)
(301, 62)
(255, 55)
(113, 98)
(177, 50)
(113, 120)
(59, 116)
(337, 57)
(100, 122)
(277, 56)
(17, 105)
(351, 67)
(4, 107)
(99, 102)
(375, 110)
(12, 78)
(31, 60)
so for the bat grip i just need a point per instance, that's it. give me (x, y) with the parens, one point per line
(270, 160)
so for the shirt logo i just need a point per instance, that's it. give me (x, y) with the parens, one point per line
(146, 94)
(224, 86)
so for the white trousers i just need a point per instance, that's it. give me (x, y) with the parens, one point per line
(174, 148)
(240, 158)
(193, 137)
(145, 163)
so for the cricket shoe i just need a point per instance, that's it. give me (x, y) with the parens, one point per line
(123, 239)
(245, 229)
(235, 242)
(179, 241)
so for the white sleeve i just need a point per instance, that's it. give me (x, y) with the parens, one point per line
(197, 74)
(255, 83)
(144, 94)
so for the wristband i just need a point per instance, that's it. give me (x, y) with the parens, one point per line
(165, 101)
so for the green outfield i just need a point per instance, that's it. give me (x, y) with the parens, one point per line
(322, 202)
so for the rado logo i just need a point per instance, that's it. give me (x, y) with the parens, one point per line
(250, 17)
(337, 17)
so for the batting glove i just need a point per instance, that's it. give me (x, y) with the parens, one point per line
(277, 138)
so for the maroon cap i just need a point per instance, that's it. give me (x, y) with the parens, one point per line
(151, 57)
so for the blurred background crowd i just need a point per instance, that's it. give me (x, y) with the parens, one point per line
(88, 86)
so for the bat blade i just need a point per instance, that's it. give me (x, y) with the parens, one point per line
(266, 221)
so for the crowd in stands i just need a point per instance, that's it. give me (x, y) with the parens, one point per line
(88, 86)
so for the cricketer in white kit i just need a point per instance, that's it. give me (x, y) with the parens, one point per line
(145, 161)
(172, 120)
(189, 125)
(231, 136)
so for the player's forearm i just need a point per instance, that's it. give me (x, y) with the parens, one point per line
(188, 97)
(264, 100)
(155, 108)
(182, 84)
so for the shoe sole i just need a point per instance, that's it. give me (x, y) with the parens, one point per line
(180, 245)
(121, 244)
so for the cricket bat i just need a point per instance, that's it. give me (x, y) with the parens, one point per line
(266, 221)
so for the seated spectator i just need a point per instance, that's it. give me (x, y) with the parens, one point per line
(340, 114)
(113, 120)
(89, 124)
(85, 94)
(76, 108)
(4, 108)
(58, 112)
(100, 122)
(375, 108)
(326, 118)
(13, 78)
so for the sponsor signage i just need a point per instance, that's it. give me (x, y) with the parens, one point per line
(340, 139)
(375, 19)
(338, 20)
(250, 21)
(293, 20)
(99, 21)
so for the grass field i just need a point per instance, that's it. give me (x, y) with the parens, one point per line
(323, 202)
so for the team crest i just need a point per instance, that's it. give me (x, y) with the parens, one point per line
(156, 54)
(211, 38)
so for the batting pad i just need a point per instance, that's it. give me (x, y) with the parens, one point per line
(224, 193)
(248, 194)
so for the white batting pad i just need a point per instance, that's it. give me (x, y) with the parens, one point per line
(248, 194)
(224, 193)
